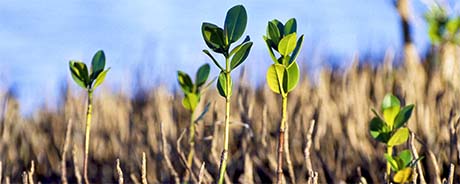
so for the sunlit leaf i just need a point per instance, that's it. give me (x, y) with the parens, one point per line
(293, 76)
(287, 44)
(213, 37)
(390, 108)
(290, 26)
(399, 137)
(222, 87)
(403, 176)
(185, 82)
(100, 78)
(274, 77)
(379, 130)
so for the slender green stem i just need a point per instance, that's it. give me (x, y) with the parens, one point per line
(223, 159)
(390, 153)
(89, 112)
(282, 129)
(191, 141)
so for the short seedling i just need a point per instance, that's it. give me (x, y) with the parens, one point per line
(392, 130)
(219, 40)
(192, 96)
(89, 80)
(441, 27)
(283, 74)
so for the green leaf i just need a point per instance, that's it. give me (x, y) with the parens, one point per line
(280, 27)
(190, 101)
(393, 163)
(406, 158)
(290, 26)
(403, 175)
(379, 130)
(274, 35)
(296, 51)
(453, 26)
(235, 23)
(185, 82)
(272, 55)
(213, 59)
(202, 75)
(399, 137)
(79, 73)
(390, 108)
(234, 50)
(293, 76)
(97, 64)
(240, 55)
(222, 87)
(205, 110)
(287, 44)
(274, 77)
(213, 37)
(403, 116)
(100, 78)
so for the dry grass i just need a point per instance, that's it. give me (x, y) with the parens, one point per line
(339, 147)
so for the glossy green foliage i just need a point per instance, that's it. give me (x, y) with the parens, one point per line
(402, 164)
(220, 41)
(391, 129)
(192, 91)
(94, 77)
(442, 28)
(283, 75)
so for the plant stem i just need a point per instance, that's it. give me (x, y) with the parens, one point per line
(390, 153)
(223, 159)
(89, 112)
(279, 171)
(191, 142)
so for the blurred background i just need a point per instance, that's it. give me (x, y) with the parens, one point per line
(355, 52)
(154, 39)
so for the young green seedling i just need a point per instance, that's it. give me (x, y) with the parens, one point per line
(392, 131)
(89, 80)
(220, 40)
(283, 74)
(192, 95)
(441, 27)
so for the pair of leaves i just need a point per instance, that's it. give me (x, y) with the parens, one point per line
(382, 133)
(192, 91)
(89, 79)
(394, 116)
(276, 31)
(390, 130)
(281, 79)
(283, 38)
(218, 39)
(401, 161)
(224, 90)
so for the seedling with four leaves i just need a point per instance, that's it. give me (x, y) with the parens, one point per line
(192, 96)
(283, 74)
(392, 130)
(89, 80)
(220, 41)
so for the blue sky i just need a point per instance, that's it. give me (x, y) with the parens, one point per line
(157, 38)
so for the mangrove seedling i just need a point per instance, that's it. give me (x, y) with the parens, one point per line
(392, 131)
(89, 80)
(192, 96)
(220, 40)
(283, 75)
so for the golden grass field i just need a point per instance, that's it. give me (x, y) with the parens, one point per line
(340, 146)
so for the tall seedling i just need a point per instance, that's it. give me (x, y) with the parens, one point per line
(392, 130)
(283, 74)
(89, 80)
(192, 95)
(220, 40)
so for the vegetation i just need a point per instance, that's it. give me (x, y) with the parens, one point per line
(220, 40)
(283, 75)
(336, 150)
(192, 96)
(89, 80)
